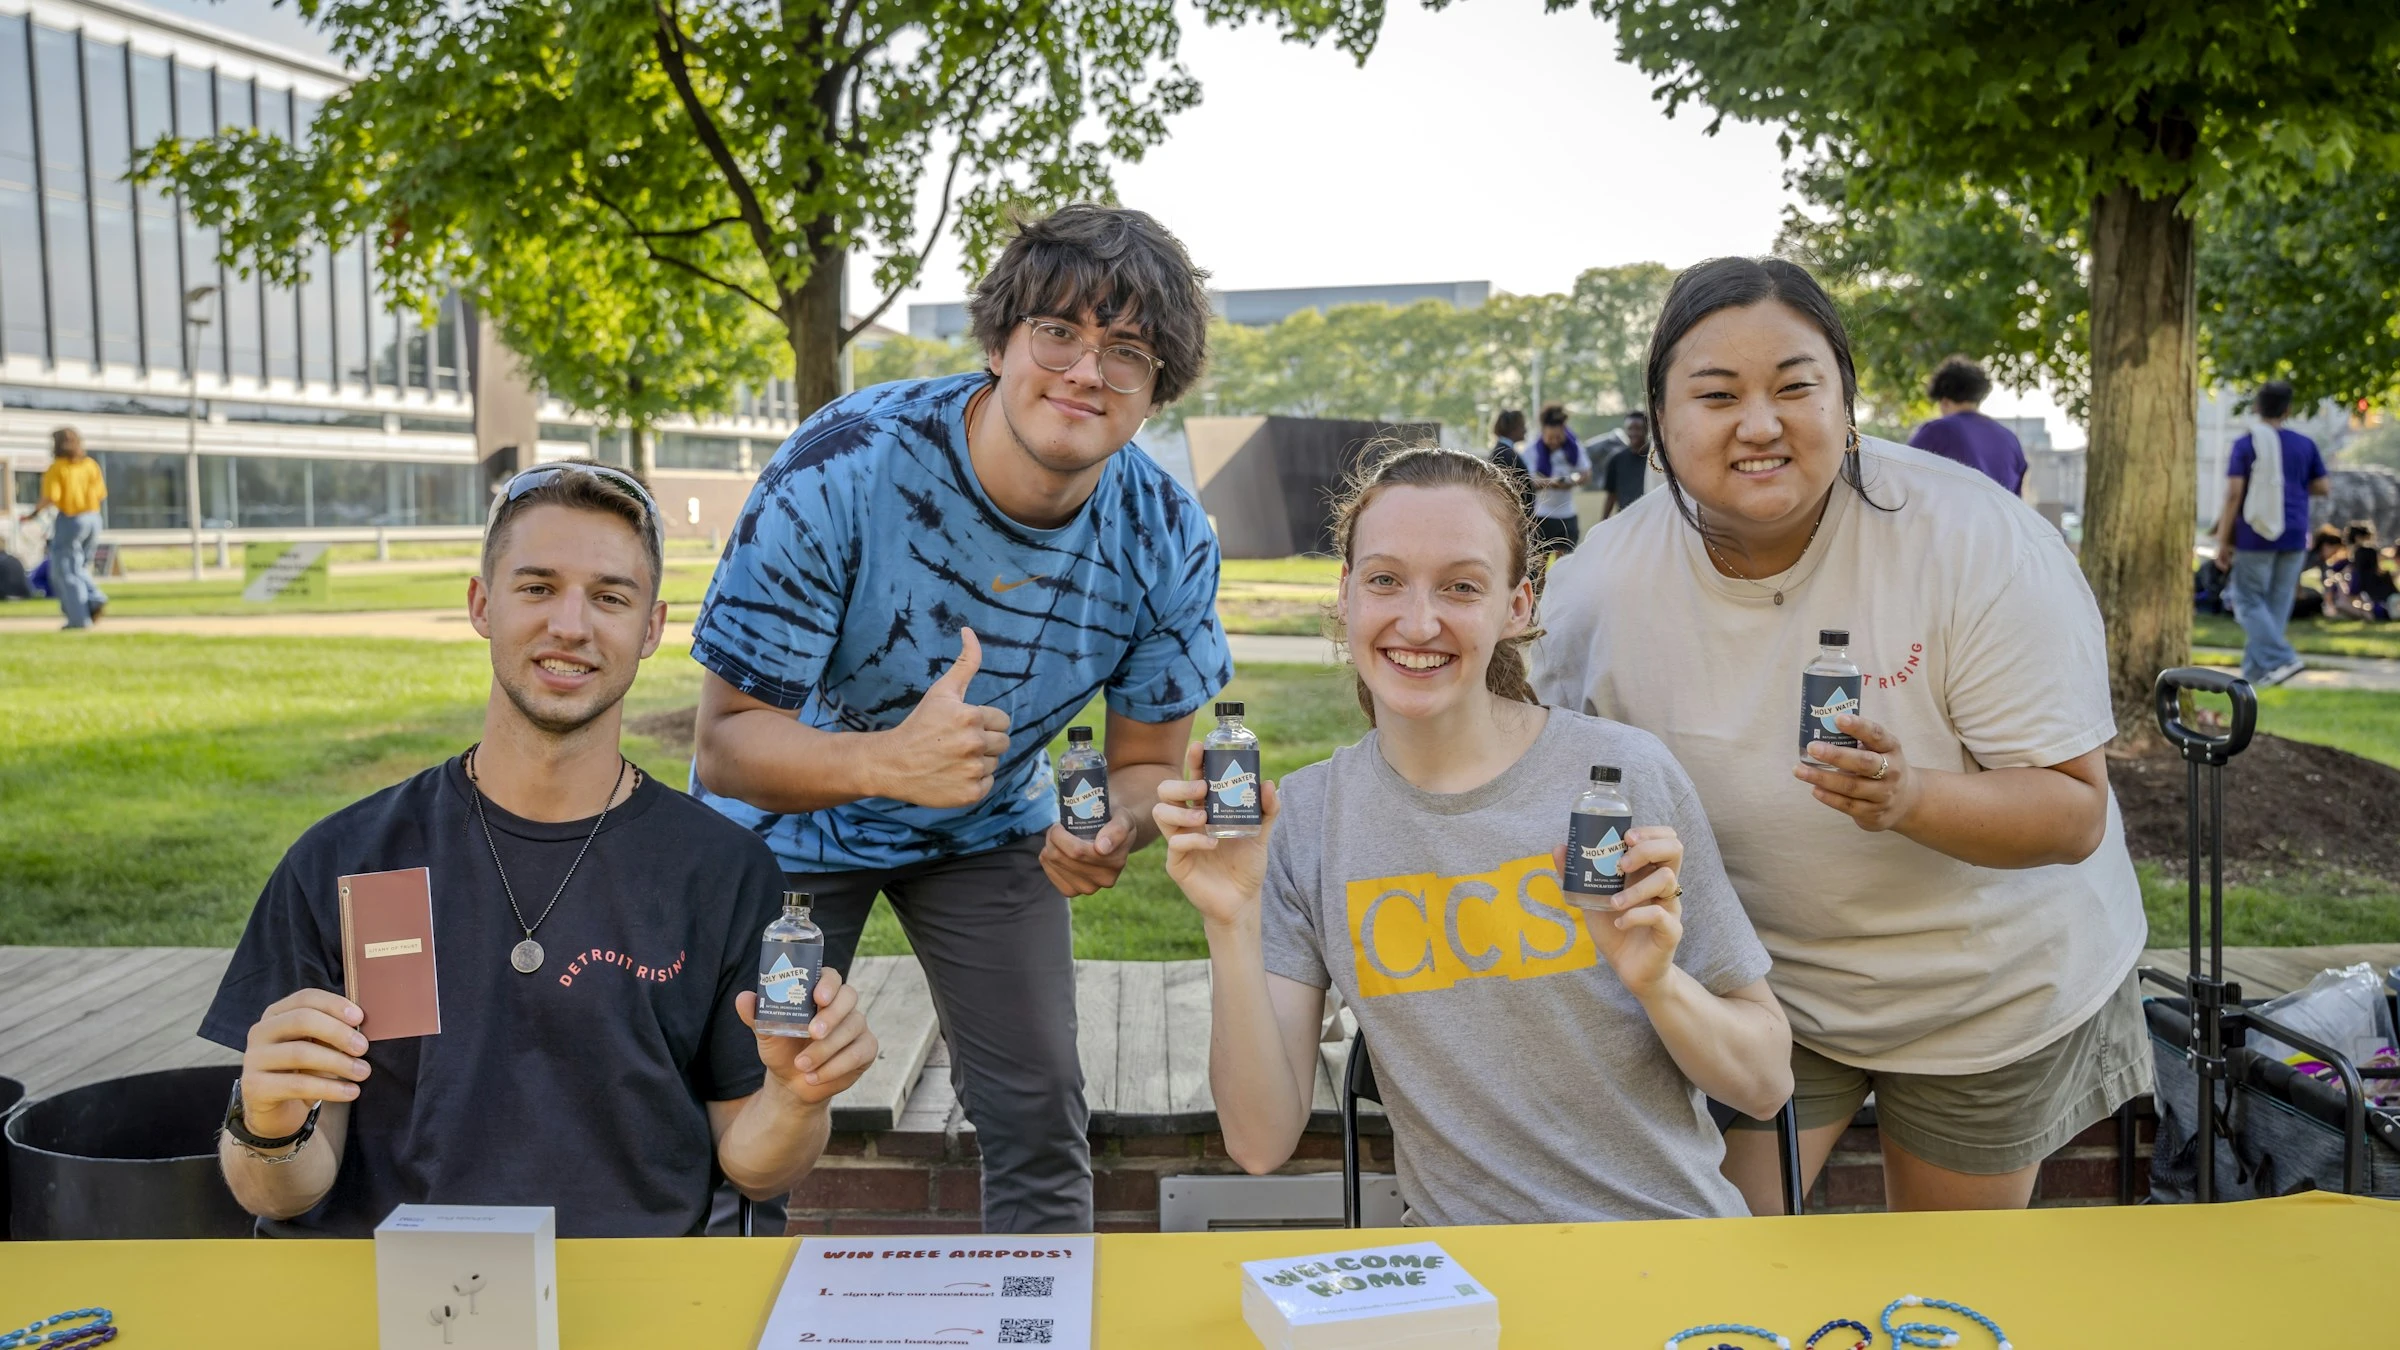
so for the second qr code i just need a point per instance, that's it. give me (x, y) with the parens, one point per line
(1026, 1286)
(1025, 1330)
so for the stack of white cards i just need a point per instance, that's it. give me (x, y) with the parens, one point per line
(1410, 1296)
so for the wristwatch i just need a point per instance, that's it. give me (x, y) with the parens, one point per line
(262, 1148)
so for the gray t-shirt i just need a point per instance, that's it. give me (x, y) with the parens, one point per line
(1524, 1084)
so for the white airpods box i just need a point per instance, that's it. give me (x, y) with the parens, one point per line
(470, 1277)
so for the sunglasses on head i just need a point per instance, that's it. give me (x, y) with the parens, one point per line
(529, 479)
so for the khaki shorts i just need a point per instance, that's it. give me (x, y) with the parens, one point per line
(1990, 1123)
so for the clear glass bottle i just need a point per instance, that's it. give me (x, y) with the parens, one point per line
(1596, 838)
(1229, 761)
(790, 958)
(1082, 785)
(1829, 687)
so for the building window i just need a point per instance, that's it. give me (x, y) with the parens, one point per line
(244, 310)
(383, 329)
(282, 305)
(446, 371)
(350, 314)
(116, 266)
(155, 221)
(145, 491)
(66, 232)
(683, 450)
(316, 293)
(195, 117)
(261, 492)
(24, 329)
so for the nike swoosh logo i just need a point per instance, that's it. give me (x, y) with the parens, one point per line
(1000, 587)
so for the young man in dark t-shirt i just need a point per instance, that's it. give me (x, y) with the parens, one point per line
(1624, 459)
(595, 935)
(1963, 433)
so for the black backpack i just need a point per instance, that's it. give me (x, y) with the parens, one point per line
(13, 585)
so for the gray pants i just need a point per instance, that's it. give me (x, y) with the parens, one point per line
(72, 542)
(999, 953)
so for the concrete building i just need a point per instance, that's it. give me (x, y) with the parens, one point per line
(324, 410)
(1252, 309)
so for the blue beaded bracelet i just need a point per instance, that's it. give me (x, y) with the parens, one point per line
(1928, 1334)
(1712, 1329)
(1866, 1335)
(98, 1321)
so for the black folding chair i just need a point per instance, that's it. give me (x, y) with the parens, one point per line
(1358, 1085)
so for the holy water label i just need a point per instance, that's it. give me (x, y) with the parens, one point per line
(1232, 787)
(1822, 699)
(1595, 848)
(787, 982)
(1083, 801)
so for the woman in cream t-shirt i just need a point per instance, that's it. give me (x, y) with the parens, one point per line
(1951, 910)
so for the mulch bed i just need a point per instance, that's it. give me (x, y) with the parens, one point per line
(2287, 804)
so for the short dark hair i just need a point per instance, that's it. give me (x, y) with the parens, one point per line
(1510, 424)
(1109, 262)
(1959, 380)
(579, 492)
(2274, 399)
(1637, 415)
(1554, 415)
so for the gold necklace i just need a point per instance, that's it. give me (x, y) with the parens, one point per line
(1738, 575)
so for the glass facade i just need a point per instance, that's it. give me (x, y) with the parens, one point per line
(683, 450)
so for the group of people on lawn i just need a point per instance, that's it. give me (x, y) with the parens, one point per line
(932, 578)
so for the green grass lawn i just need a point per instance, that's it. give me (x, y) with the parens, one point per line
(2323, 637)
(686, 580)
(151, 782)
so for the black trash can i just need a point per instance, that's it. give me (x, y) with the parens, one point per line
(11, 1092)
(131, 1157)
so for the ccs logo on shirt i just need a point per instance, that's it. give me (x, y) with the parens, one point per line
(1417, 933)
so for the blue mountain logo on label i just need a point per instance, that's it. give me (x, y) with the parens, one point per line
(1238, 788)
(1088, 802)
(1836, 704)
(1602, 858)
(783, 981)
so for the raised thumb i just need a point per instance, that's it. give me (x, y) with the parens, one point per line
(970, 660)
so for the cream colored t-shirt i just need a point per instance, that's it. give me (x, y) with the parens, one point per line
(1980, 647)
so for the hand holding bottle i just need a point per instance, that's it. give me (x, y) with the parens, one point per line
(1222, 877)
(1639, 928)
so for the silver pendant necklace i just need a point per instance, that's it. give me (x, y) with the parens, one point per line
(526, 956)
(1771, 584)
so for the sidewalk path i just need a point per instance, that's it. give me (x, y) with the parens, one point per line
(450, 625)
(2325, 672)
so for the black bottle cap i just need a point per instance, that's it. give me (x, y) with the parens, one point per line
(1833, 637)
(1079, 735)
(1607, 773)
(1229, 709)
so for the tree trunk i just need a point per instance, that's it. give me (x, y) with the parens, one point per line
(2138, 502)
(813, 320)
(638, 451)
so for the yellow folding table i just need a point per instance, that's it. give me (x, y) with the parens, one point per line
(2296, 1273)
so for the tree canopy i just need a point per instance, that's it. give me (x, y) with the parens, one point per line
(694, 154)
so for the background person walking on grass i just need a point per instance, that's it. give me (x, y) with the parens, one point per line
(2262, 531)
(930, 581)
(1558, 466)
(74, 486)
(1963, 433)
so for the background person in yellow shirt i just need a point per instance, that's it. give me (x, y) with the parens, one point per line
(74, 485)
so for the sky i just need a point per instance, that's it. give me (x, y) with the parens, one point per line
(1488, 141)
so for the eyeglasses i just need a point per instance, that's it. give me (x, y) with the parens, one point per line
(1056, 348)
(529, 479)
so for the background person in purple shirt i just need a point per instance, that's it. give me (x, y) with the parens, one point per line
(2266, 572)
(1964, 434)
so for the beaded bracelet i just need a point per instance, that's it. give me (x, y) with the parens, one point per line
(25, 1337)
(1866, 1336)
(1712, 1329)
(1926, 1333)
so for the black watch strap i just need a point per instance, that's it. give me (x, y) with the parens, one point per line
(240, 1130)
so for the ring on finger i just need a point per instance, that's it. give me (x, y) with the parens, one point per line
(1883, 765)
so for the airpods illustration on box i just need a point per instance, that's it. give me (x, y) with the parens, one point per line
(442, 1316)
(467, 1289)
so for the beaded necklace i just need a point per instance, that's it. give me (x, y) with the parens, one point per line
(99, 1329)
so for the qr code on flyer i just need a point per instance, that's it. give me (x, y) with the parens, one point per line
(1025, 1330)
(1026, 1286)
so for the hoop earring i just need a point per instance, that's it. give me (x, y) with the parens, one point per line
(1850, 447)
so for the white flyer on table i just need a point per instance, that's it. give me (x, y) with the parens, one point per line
(973, 1291)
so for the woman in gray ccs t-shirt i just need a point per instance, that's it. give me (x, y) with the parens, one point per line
(1538, 1063)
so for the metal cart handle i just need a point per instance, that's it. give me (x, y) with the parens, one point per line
(2198, 746)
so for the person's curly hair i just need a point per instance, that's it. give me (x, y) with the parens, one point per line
(1104, 264)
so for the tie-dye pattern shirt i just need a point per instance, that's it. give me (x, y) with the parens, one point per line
(868, 543)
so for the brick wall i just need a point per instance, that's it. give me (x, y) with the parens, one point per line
(927, 1180)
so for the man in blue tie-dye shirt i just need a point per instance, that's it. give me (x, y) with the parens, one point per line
(929, 582)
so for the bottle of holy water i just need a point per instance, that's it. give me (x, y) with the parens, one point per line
(1082, 785)
(1596, 837)
(1829, 688)
(790, 957)
(1229, 761)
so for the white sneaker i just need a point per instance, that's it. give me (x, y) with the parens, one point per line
(2280, 673)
